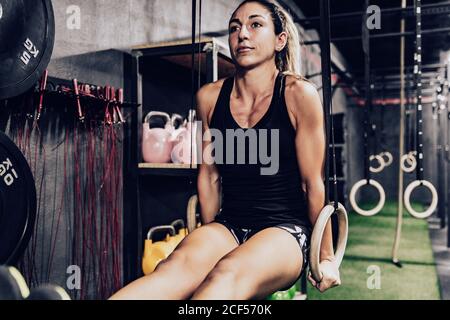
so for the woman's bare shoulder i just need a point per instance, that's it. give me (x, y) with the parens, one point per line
(300, 85)
(301, 95)
(210, 90)
(207, 96)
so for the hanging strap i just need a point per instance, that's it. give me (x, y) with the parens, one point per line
(382, 113)
(193, 84)
(447, 91)
(418, 85)
(199, 64)
(368, 104)
(325, 52)
(413, 136)
(408, 123)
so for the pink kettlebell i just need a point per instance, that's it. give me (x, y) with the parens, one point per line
(157, 143)
(183, 146)
(181, 127)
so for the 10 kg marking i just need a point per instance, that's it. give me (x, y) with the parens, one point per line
(6, 166)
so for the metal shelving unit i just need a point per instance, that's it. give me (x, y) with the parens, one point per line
(213, 62)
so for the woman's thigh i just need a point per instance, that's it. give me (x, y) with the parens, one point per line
(196, 255)
(269, 261)
(178, 276)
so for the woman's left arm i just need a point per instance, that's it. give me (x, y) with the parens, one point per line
(304, 102)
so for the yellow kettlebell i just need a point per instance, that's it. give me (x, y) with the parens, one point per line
(181, 233)
(155, 252)
(172, 240)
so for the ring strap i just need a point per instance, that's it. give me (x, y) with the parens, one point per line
(418, 76)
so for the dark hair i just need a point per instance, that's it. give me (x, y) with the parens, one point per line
(288, 59)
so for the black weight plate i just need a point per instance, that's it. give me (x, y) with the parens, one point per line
(27, 35)
(17, 202)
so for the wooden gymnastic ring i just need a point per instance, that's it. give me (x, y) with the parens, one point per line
(407, 195)
(380, 161)
(317, 235)
(191, 214)
(411, 160)
(388, 155)
(377, 208)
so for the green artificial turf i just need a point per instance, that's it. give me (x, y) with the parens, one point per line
(370, 246)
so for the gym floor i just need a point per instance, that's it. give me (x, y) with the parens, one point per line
(369, 253)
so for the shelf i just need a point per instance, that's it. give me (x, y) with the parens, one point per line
(215, 58)
(144, 64)
(176, 47)
(145, 165)
(167, 169)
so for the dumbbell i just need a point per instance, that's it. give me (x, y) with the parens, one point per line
(48, 292)
(12, 284)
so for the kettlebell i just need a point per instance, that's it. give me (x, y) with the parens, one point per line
(181, 233)
(280, 295)
(292, 291)
(155, 252)
(177, 130)
(157, 143)
(184, 150)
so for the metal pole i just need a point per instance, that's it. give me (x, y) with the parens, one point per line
(398, 230)
(382, 35)
(193, 84)
(447, 135)
(427, 9)
(441, 117)
(325, 52)
(368, 85)
(406, 68)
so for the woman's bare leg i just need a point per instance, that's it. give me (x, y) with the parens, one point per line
(184, 270)
(267, 262)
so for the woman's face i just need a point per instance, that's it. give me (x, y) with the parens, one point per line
(252, 38)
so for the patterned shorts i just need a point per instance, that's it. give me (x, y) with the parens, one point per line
(300, 233)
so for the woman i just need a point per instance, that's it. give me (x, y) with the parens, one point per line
(258, 242)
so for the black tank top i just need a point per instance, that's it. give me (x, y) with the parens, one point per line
(250, 199)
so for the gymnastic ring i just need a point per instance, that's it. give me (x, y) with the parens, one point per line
(407, 196)
(317, 235)
(191, 213)
(412, 157)
(380, 161)
(411, 160)
(377, 208)
(388, 155)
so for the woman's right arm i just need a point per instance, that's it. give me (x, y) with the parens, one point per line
(208, 181)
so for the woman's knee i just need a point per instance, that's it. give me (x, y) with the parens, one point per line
(176, 259)
(226, 270)
(184, 262)
(228, 277)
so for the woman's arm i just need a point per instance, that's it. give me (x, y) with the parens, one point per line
(208, 180)
(310, 147)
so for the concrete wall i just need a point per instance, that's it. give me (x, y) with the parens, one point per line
(87, 52)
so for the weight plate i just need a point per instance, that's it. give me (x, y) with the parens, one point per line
(27, 34)
(17, 202)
